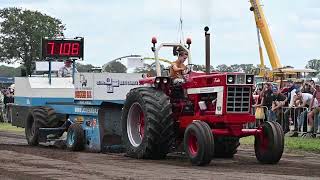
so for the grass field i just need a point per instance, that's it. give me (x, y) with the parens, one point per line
(292, 143)
(8, 127)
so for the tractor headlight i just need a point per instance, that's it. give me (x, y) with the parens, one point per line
(165, 81)
(249, 79)
(158, 80)
(230, 79)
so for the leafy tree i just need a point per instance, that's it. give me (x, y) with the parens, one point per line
(151, 69)
(202, 68)
(247, 68)
(114, 67)
(9, 71)
(21, 32)
(223, 68)
(314, 64)
(236, 68)
(84, 67)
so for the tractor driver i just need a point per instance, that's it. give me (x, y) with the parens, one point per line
(177, 69)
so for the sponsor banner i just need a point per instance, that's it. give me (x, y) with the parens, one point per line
(105, 86)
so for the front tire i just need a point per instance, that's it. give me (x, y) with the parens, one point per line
(269, 144)
(199, 143)
(147, 123)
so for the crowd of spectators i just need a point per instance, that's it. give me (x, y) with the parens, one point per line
(6, 97)
(295, 106)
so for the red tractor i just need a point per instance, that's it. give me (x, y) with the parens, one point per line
(207, 113)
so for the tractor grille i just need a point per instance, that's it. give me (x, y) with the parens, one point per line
(238, 99)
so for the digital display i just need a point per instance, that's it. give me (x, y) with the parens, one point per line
(62, 48)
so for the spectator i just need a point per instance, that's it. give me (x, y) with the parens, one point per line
(314, 111)
(312, 83)
(259, 112)
(267, 98)
(279, 100)
(307, 101)
(1, 96)
(291, 113)
(1, 105)
(307, 88)
(291, 86)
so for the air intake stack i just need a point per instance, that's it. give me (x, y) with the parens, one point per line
(207, 41)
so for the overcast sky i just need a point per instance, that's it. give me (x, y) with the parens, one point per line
(114, 28)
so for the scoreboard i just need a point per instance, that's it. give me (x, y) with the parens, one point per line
(62, 48)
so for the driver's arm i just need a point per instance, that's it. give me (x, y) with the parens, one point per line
(176, 68)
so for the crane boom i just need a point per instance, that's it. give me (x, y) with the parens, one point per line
(265, 33)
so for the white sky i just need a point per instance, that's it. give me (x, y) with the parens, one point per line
(114, 28)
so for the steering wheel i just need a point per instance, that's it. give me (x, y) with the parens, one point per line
(189, 69)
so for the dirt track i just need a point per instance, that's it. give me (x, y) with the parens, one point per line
(20, 161)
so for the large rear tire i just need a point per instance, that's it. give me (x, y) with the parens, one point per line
(269, 144)
(199, 143)
(39, 117)
(225, 147)
(147, 123)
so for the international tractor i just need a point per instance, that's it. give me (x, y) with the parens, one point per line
(148, 117)
(207, 113)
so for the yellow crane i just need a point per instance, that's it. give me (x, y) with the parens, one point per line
(263, 28)
(277, 68)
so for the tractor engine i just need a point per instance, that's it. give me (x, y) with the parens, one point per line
(215, 98)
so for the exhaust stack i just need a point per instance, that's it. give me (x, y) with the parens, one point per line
(207, 41)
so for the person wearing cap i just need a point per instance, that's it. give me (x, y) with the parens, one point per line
(66, 70)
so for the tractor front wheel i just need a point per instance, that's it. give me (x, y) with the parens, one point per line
(269, 143)
(199, 143)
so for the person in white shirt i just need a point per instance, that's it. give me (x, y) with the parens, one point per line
(309, 102)
(306, 99)
(66, 70)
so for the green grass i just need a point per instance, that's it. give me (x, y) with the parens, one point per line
(9, 128)
(292, 143)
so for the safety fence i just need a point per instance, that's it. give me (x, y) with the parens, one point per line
(293, 120)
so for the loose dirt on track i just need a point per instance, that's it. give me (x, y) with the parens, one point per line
(20, 161)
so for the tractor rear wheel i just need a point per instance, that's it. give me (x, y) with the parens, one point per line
(147, 123)
(39, 117)
(75, 138)
(270, 143)
(199, 143)
(225, 147)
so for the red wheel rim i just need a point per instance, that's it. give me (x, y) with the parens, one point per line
(193, 144)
